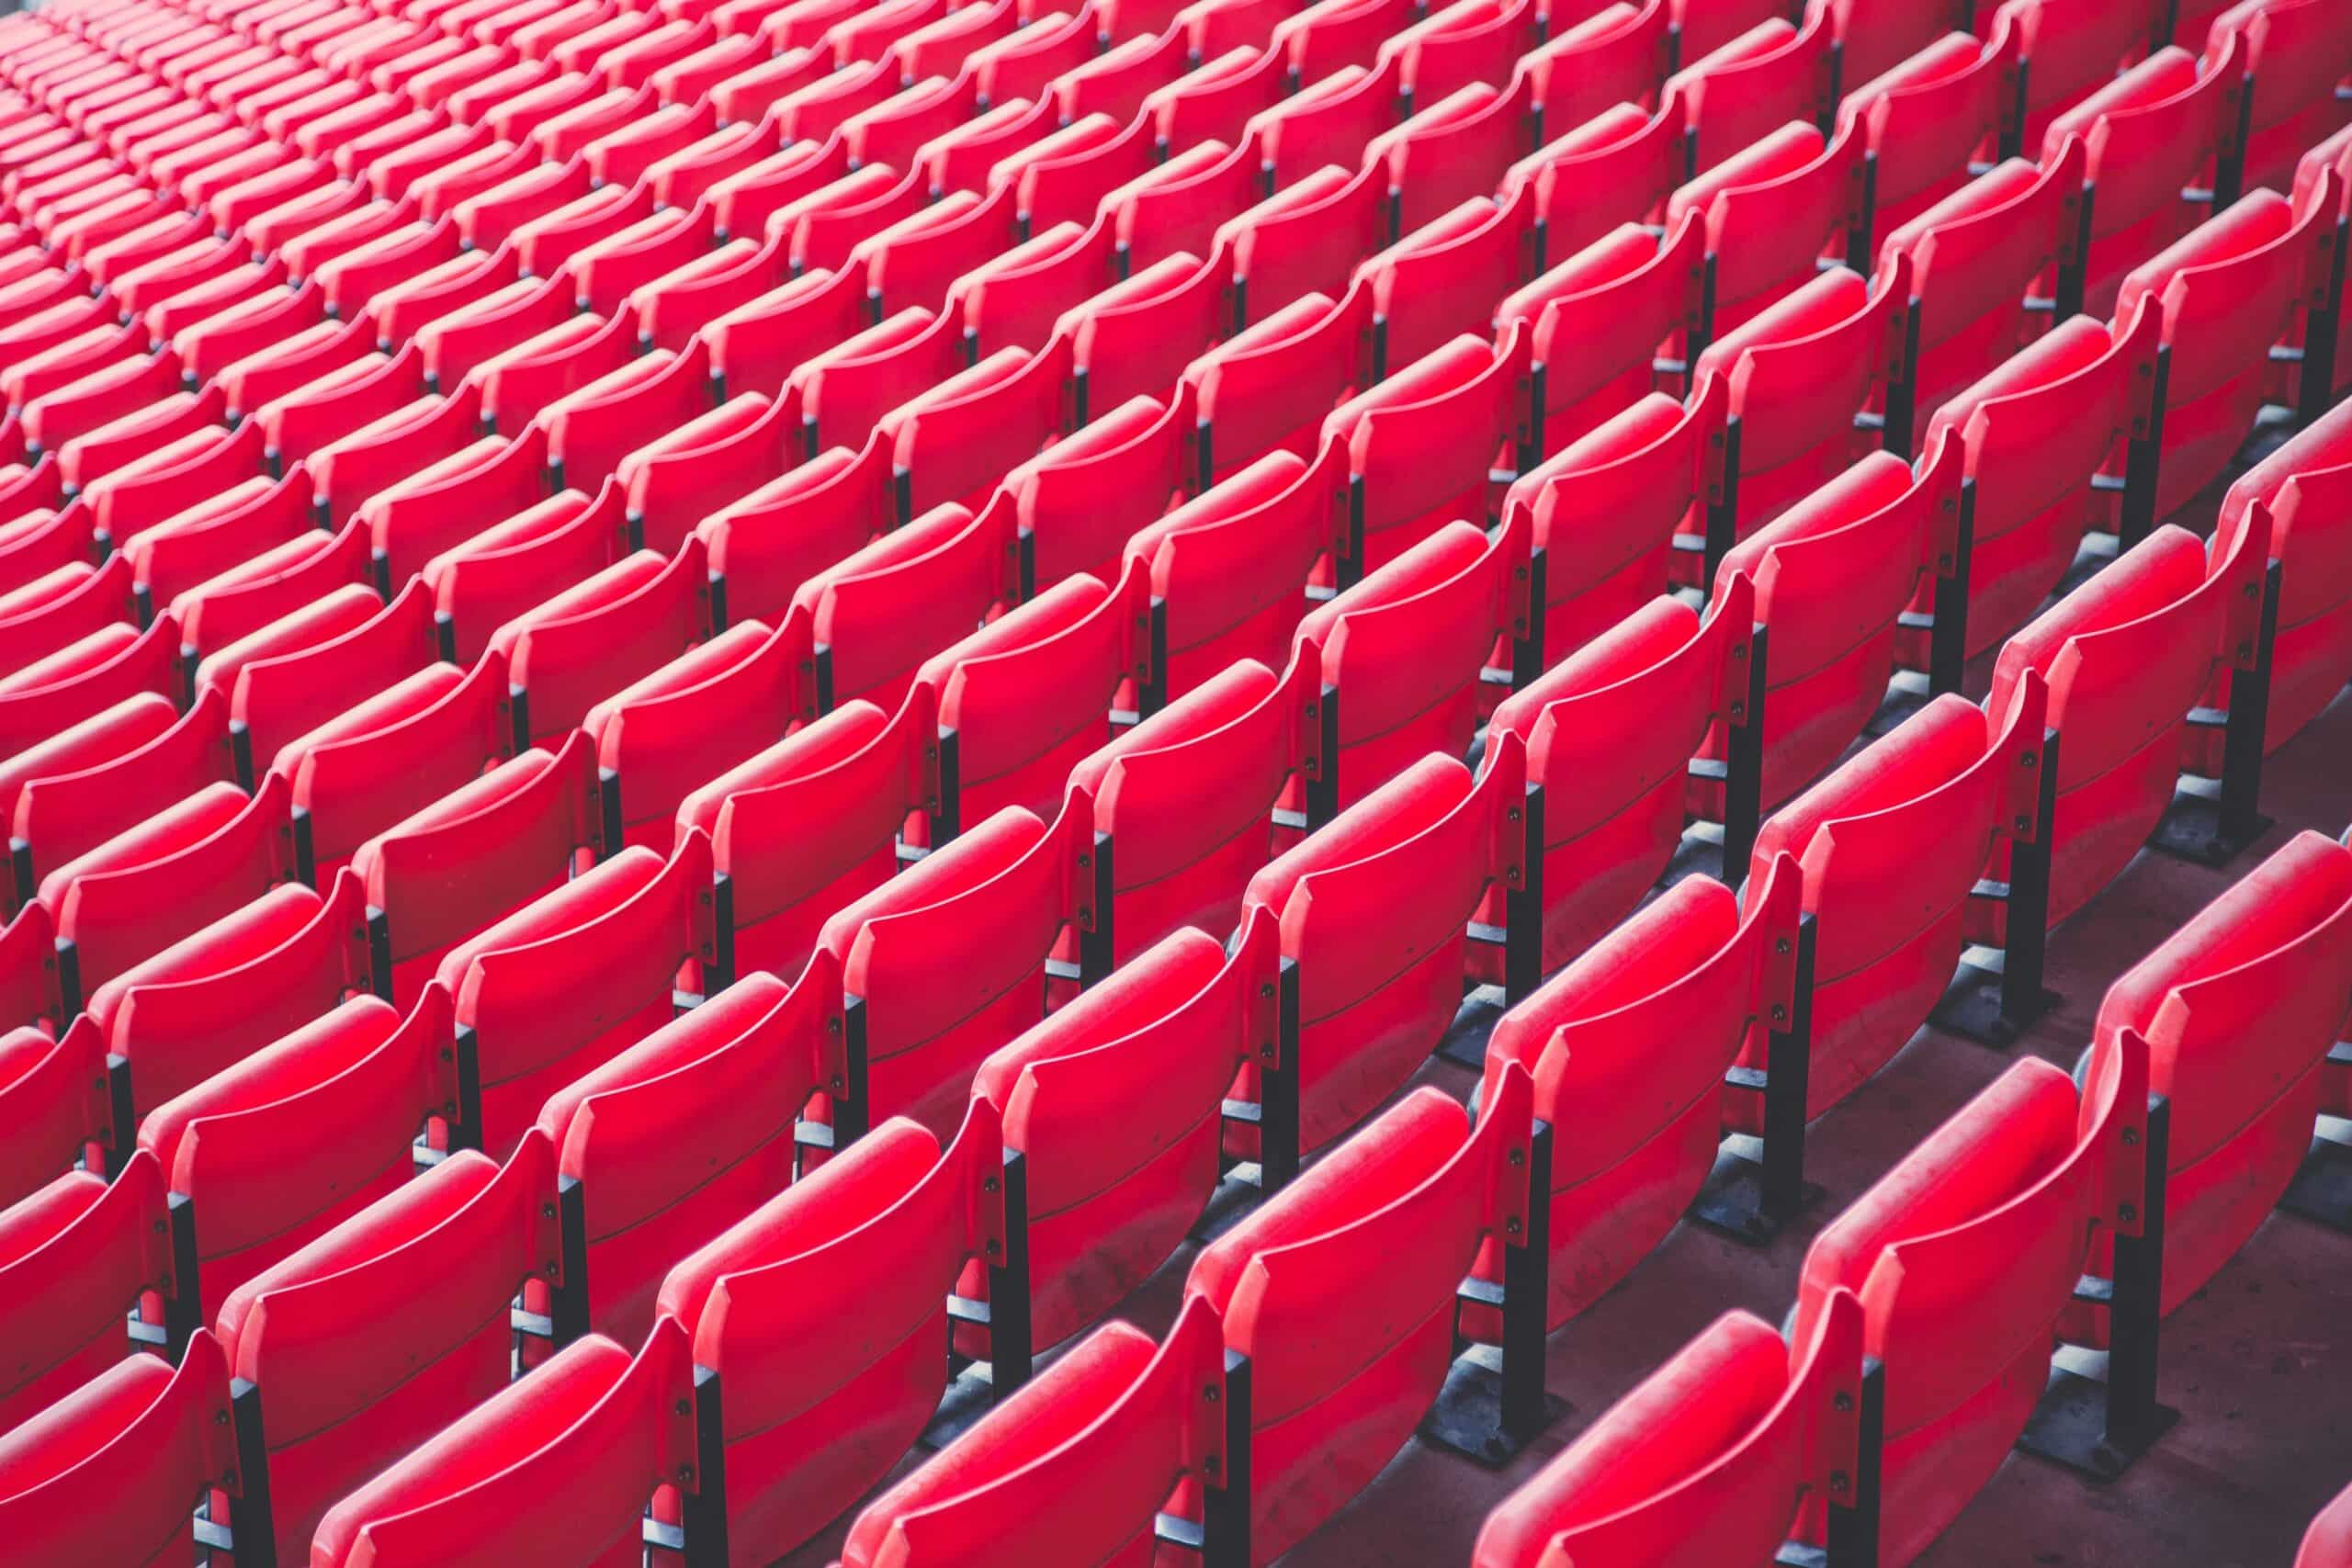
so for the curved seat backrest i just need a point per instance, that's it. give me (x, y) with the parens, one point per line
(1892, 844)
(1610, 732)
(476, 854)
(1114, 1101)
(858, 773)
(2239, 1008)
(1596, 320)
(251, 978)
(354, 1365)
(576, 978)
(74, 1257)
(1629, 1047)
(986, 909)
(557, 1467)
(1188, 798)
(1707, 1461)
(1606, 506)
(304, 1132)
(824, 1315)
(1075, 1464)
(1378, 981)
(112, 1473)
(1232, 565)
(1421, 444)
(737, 1072)
(1390, 1223)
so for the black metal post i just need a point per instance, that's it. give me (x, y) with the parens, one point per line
(2144, 456)
(568, 1299)
(2322, 323)
(1722, 507)
(702, 1510)
(183, 1303)
(1011, 1335)
(1278, 1129)
(1096, 943)
(1854, 1523)
(948, 820)
(1225, 1508)
(1323, 784)
(465, 1129)
(1744, 764)
(1523, 907)
(1947, 640)
(1527, 1264)
(249, 1514)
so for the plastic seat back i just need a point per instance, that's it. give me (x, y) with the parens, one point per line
(1187, 799)
(1606, 508)
(1404, 648)
(1707, 1459)
(1379, 982)
(1833, 575)
(75, 1257)
(273, 1152)
(1610, 732)
(737, 1072)
(1151, 1051)
(352, 1365)
(2239, 1008)
(560, 1464)
(1964, 1256)
(1892, 904)
(572, 979)
(1596, 320)
(486, 848)
(69, 1498)
(859, 771)
(989, 906)
(1629, 1047)
(2126, 658)
(1115, 1424)
(886, 1225)
(2037, 430)
(1395, 1215)
(2305, 489)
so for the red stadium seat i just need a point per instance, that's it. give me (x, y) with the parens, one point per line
(2239, 1008)
(1596, 323)
(75, 1257)
(1610, 732)
(1833, 575)
(2147, 135)
(1405, 650)
(1737, 92)
(268, 1155)
(1629, 1048)
(569, 981)
(2227, 292)
(2302, 485)
(350, 1368)
(1965, 1255)
(1155, 1047)
(559, 1467)
(2127, 655)
(878, 612)
(1974, 256)
(1759, 1428)
(858, 771)
(473, 856)
(992, 906)
(70, 1496)
(1367, 1021)
(736, 1070)
(1605, 508)
(1890, 923)
(1400, 1210)
(2036, 432)
(882, 1229)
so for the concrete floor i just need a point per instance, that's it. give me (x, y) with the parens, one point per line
(2259, 1364)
